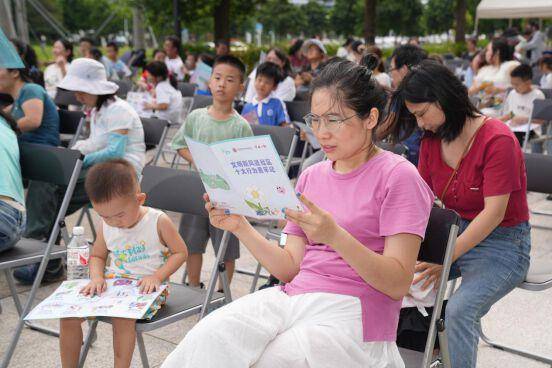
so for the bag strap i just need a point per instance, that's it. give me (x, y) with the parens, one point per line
(442, 197)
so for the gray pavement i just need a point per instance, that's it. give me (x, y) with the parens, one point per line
(522, 318)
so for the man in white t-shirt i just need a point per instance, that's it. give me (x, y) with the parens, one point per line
(518, 105)
(173, 60)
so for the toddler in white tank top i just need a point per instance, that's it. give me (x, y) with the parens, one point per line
(133, 241)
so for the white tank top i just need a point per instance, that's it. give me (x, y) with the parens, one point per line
(138, 251)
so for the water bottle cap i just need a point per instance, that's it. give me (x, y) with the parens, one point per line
(78, 230)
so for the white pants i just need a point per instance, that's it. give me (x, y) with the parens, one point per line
(271, 329)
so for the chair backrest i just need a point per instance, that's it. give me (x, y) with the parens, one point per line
(282, 137)
(66, 98)
(125, 86)
(542, 109)
(297, 109)
(69, 121)
(437, 234)
(547, 92)
(398, 149)
(48, 164)
(201, 101)
(153, 130)
(187, 89)
(174, 190)
(539, 172)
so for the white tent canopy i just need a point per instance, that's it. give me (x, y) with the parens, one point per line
(512, 9)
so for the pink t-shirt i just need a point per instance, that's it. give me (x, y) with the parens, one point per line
(383, 197)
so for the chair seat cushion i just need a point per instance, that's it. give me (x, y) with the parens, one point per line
(540, 271)
(28, 251)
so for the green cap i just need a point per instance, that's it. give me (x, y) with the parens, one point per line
(8, 56)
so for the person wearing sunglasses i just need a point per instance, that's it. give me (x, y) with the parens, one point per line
(349, 255)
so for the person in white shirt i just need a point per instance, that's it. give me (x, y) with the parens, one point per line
(518, 105)
(286, 88)
(378, 71)
(54, 73)
(173, 60)
(345, 50)
(536, 45)
(545, 66)
(167, 100)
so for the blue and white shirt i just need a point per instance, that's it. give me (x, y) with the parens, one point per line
(270, 111)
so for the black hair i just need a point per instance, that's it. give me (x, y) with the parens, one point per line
(232, 61)
(175, 42)
(353, 86)
(23, 74)
(111, 179)
(505, 51)
(546, 60)
(28, 55)
(356, 45)
(68, 46)
(159, 70)
(429, 82)
(535, 25)
(523, 71)
(103, 99)
(156, 51)
(87, 39)
(113, 44)
(348, 41)
(371, 61)
(284, 58)
(222, 42)
(297, 45)
(409, 55)
(270, 70)
(206, 58)
(11, 121)
(96, 54)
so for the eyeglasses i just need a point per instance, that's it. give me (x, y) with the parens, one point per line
(332, 123)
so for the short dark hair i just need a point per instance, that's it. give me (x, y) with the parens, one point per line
(523, 71)
(409, 55)
(270, 70)
(505, 51)
(429, 82)
(68, 46)
(111, 179)
(96, 53)
(104, 99)
(156, 51)
(87, 39)
(232, 61)
(175, 42)
(159, 70)
(113, 44)
(353, 86)
(546, 60)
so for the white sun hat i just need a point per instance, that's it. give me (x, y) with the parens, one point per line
(89, 76)
(315, 42)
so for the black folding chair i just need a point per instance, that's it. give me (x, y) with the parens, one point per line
(539, 276)
(297, 110)
(176, 191)
(155, 133)
(437, 247)
(187, 89)
(70, 126)
(201, 101)
(542, 110)
(547, 92)
(398, 149)
(65, 98)
(59, 166)
(125, 86)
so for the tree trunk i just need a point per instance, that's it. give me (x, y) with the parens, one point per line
(138, 40)
(460, 18)
(176, 16)
(6, 20)
(21, 20)
(370, 21)
(222, 20)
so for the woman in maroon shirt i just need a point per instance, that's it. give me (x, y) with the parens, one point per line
(475, 166)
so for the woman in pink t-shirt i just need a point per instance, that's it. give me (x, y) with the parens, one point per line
(475, 165)
(349, 257)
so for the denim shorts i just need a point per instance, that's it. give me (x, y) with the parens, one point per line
(12, 225)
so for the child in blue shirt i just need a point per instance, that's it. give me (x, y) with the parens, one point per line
(264, 109)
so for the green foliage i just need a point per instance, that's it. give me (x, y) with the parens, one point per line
(275, 15)
(346, 17)
(438, 16)
(401, 16)
(317, 18)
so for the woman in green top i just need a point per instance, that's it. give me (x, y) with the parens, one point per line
(35, 112)
(12, 203)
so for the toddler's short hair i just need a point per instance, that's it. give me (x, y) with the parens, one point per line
(111, 179)
(232, 61)
(271, 71)
(523, 71)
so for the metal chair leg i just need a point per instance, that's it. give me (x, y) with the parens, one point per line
(510, 349)
(142, 349)
(255, 278)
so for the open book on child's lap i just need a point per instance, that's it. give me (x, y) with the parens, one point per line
(245, 176)
(122, 298)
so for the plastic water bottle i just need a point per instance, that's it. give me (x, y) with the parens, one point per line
(78, 252)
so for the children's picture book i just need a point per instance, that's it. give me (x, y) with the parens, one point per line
(137, 100)
(310, 134)
(122, 298)
(245, 176)
(201, 76)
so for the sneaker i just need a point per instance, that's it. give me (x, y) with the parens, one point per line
(26, 274)
(201, 286)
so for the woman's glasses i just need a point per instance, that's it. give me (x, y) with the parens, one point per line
(331, 123)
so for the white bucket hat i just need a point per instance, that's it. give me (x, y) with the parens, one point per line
(315, 42)
(89, 76)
